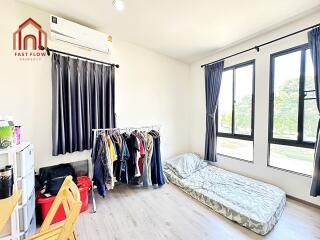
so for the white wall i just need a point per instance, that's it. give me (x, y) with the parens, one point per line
(150, 88)
(295, 185)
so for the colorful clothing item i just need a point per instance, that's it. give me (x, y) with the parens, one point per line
(147, 159)
(113, 153)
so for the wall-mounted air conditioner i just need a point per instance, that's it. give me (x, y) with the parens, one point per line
(74, 33)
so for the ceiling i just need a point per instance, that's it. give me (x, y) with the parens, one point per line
(183, 29)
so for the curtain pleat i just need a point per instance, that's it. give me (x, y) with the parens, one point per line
(213, 76)
(82, 99)
(103, 98)
(80, 105)
(71, 106)
(95, 107)
(88, 104)
(314, 44)
(62, 108)
(111, 104)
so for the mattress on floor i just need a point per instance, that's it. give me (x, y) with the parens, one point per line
(253, 204)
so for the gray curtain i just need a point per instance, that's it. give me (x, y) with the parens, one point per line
(82, 99)
(213, 75)
(314, 44)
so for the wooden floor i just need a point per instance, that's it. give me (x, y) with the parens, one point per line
(167, 213)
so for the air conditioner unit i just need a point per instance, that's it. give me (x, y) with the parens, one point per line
(74, 33)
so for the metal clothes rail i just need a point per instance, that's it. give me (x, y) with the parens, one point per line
(126, 128)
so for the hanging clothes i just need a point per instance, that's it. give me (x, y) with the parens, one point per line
(130, 161)
(117, 141)
(100, 162)
(111, 159)
(157, 176)
(117, 146)
(134, 149)
(138, 155)
(141, 151)
(128, 158)
(122, 174)
(111, 146)
(148, 139)
(142, 154)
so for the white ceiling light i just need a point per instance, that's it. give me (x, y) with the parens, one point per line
(118, 4)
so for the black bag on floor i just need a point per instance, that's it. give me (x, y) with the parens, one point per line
(53, 177)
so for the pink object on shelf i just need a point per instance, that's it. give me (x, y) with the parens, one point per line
(17, 133)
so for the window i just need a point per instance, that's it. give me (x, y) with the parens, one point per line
(235, 112)
(293, 111)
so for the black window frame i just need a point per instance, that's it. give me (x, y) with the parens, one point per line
(233, 134)
(289, 142)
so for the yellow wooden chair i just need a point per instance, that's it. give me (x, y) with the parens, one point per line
(69, 196)
(7, 207)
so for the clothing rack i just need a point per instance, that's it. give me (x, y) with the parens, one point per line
(106, 130)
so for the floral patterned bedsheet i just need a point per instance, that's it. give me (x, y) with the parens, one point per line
(251, 203)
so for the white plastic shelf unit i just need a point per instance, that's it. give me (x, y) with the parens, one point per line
(23, 222)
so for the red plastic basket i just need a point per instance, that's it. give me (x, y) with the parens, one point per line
(84, 185)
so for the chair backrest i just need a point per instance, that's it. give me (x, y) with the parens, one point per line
(69, 197)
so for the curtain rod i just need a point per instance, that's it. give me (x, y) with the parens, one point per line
(257, 47)
(77, 56)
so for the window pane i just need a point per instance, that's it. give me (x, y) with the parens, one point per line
(243, 100)
(235, 148)
(286, 95)
(225, 103)
(309, 82)
(310, 120)
(295, 159)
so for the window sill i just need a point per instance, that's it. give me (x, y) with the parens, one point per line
(239, 159)
(290, 171)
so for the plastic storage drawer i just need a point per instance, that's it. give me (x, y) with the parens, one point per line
(26, 213)
(25, 161)
(26, 183)
(32, 228)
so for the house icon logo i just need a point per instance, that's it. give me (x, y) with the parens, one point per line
(22, 39)
(28, 41)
